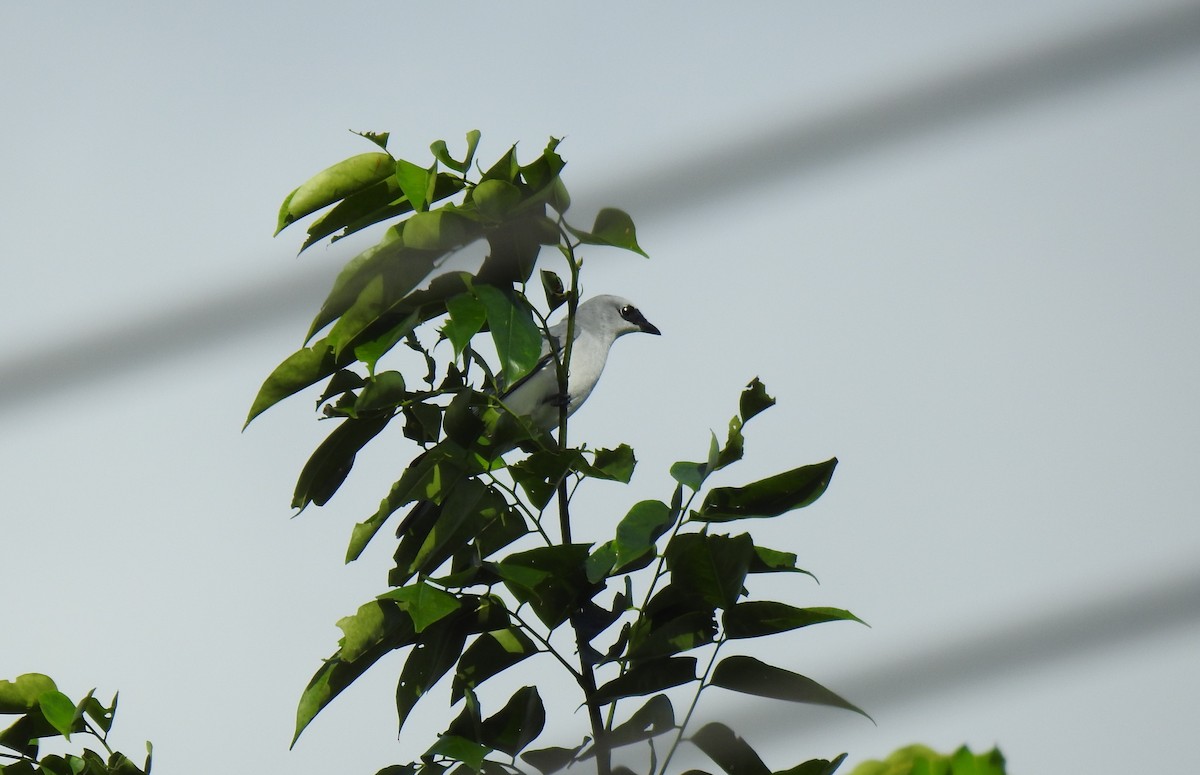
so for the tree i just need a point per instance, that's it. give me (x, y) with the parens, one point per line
(468, 598)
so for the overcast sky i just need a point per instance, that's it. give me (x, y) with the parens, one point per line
(958, 244)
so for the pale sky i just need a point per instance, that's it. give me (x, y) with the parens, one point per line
(957, 243)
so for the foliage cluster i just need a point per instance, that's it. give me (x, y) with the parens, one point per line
(44, 712)
(486, 572)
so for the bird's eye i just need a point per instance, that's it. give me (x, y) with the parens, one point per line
(627, 311)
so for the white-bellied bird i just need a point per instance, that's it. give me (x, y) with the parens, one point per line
(599, 321)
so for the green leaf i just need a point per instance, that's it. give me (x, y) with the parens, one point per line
(424, 603)
(440, 646)
(751, 676)
(711, 566)
(381, 392)
(373, 624)
(437, 649)
(756, 618)
(467, 316)
(550, 579)
(613, 464)
(334, 183)
(416, 183)
(21, 695)
(754, 399)
(638, 531)
(490, 654)
(371, 205)
(375, 630)
(439, 231)
(325, 471)
(731, 753)
(496, 199)
(379, 138)
(612, 227)
(58, 710)
(517, 337)
(302, 368)
(768, 497)
(442, 153)
(552, 285)
(460, 749)
(690, 475)
(648, 678)
(774, 561)
(652, 639)
(383, 296)
(517, 724)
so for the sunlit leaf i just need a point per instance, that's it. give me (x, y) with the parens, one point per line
(334, 183)
(416, 183)
(514, 331)
(57, 709)
(424, 603)
(302, 368)
(21, 694)
(467, 316)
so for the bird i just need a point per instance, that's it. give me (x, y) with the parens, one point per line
(599, 322)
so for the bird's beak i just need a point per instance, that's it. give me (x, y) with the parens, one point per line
(643, 324)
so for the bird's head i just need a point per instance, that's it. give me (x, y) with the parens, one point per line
(615, 315)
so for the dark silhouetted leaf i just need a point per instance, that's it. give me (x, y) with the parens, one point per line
(550, 579)
(756, 618)
(648, 678)
(325, 471)
(750, 676)
(614, 464)
(654, 718)
(731, 753)
(712, 566)
(490, 654)
(517, 724)
(639, 529)
(768, 497)
(549, 760)
(816, 767)
(754, 399)
(460, 749)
